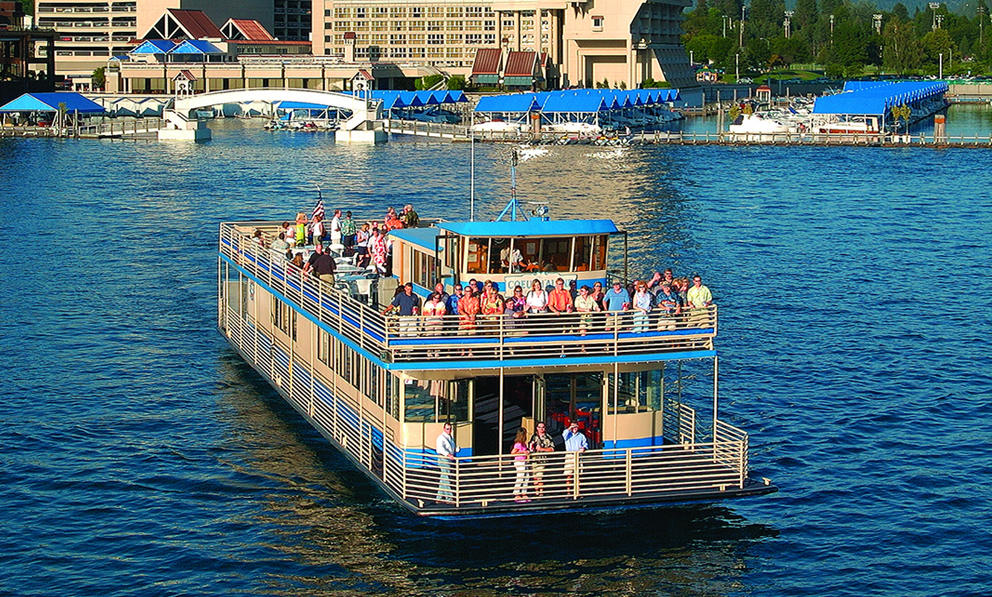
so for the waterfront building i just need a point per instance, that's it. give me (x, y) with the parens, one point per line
(91, 32)
(622, 42)
(240, 54)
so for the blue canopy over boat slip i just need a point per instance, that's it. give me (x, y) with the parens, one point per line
(874, 97)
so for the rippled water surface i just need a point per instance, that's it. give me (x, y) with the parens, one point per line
(141, 456)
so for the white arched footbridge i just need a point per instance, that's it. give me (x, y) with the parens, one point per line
(364, 125)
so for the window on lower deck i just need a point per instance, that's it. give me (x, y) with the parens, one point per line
(638, 391)
(436, 400)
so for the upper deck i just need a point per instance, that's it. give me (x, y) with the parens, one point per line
(436, 344)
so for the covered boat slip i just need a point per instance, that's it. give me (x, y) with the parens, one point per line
(885, 103)
(343, 366)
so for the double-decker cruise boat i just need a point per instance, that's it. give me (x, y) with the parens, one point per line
(381, 388)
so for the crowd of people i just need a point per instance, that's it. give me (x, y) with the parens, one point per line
(368, 244)
(479, 304)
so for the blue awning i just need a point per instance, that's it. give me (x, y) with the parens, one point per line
(575, 102)
(300, 106)
(195, 46)
(519, 102)
(49, 102)
(531, 228)
(154, 46)
(875, 98)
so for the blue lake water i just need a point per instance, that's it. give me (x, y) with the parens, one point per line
(141, 456)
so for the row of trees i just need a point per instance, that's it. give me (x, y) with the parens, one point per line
(845, 36)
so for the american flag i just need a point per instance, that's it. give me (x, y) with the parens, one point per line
(318, 210)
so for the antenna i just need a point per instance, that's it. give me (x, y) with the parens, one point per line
(513, 205)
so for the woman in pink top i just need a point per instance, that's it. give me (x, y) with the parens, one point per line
(520, 452)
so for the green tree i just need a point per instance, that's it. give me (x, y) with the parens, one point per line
(99, 78)
(457, 83)
(901, 52)
(807, 15)
(934, 44)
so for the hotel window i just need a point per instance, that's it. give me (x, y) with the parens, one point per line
(454, 38)
(526, 13)
(435, 25)
(342, 26)
(508, 23)
(416, 12)
(453, 52)
(490, 25)
(395, 39)
(399, 25)
(417, 52)
(361, 26)
(454, 12)
(435, 39)
(342, 13)
(379, 38)
(416, 38)
(489, 38)
(473, 11)
(360, 13)
(473, 38)
(380, 26)
(397, 53)
(473, 25)
(397, 12)
(417, 26)
(380, 11)
(435, 11)
(455, 26)
(597, 23)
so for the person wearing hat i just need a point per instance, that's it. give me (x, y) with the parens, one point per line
(575, 442)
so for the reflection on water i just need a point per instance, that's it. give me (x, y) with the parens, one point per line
(349, 536)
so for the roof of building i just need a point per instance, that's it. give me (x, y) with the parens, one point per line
(487, 61)
(874, 97)
(533, 227)
(196, 46)
(49, 102)
(154, 46)
(520, 64)
(196, 23)
(250, 29)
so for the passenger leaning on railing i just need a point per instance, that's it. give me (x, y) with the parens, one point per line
(560, 299)
(408, 305)
(698, 298)
(616, 300)
(669, 306)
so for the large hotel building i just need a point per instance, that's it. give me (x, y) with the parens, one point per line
(575, 43)
(582, 43)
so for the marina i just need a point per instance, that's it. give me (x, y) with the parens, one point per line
(139, 443)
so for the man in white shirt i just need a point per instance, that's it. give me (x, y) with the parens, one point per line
(446, 450)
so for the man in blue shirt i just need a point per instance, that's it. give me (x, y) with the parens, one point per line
(616, 299)
(575, 442)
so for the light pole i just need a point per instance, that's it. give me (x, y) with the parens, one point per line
(940, 69)
(877, 21)
(741, 42)
(788, 23)
(737, 68)
(725, 17)
(933, 9)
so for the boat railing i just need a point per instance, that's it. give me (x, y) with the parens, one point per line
(336, 310)
(547, 335)
(484, 481)
(448, 338)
